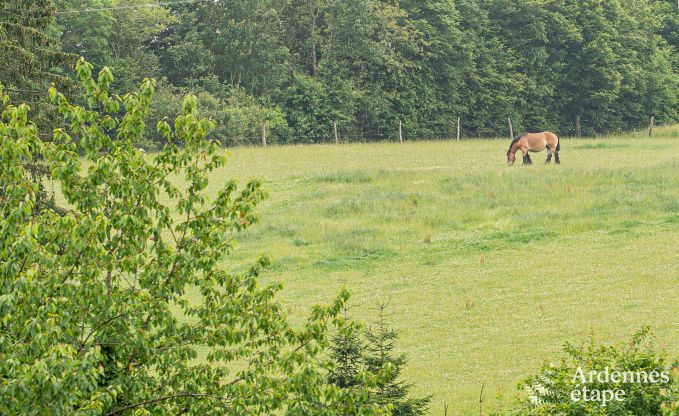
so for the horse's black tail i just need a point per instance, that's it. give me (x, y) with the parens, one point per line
(558, 144)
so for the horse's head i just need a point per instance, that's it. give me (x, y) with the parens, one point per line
(511, 155)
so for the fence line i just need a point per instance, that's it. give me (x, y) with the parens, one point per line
(400, 133)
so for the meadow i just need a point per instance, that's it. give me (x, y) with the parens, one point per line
(488, 269)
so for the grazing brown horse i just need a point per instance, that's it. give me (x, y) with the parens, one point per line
(534, 142)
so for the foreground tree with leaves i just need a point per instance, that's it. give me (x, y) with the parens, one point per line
(93, 313)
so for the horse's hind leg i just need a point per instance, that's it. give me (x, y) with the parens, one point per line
(556, 158)
(549, 155)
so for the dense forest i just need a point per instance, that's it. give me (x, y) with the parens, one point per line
(298, 66)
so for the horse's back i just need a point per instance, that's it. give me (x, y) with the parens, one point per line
(551, 135)
(550, 138)
(541, 134)
(537, 142)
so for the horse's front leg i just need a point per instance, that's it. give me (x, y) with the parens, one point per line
(526, 158)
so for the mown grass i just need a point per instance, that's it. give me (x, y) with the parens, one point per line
(488, 269)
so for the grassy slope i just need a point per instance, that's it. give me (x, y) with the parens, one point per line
(489, 269)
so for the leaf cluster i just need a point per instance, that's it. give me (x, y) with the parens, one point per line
(94, 317)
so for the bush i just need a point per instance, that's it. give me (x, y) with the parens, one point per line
(641, 376)
(240, 118)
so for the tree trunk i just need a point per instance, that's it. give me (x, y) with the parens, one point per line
(314, 59)
(315, 12)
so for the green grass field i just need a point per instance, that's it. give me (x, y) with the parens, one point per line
(488, 269)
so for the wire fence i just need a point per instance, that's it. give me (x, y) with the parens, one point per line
(401, 133)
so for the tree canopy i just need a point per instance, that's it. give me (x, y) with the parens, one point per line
(299, 66)
(30, 55)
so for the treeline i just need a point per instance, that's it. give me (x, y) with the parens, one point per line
(299, 66)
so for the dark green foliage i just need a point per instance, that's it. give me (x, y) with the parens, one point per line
(357, 353)
(120, 39)
(549, 391)
(302, 65)
(30, 57)
(347, 355)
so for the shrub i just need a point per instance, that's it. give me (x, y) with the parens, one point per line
(240, 118)
(559, 389)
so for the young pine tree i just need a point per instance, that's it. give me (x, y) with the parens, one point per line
(368, 360)
(347, 355)
(380, 354)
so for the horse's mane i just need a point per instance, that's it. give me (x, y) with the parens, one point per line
(516, 139)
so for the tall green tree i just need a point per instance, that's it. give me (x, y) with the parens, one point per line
(240, 42)
(31, 60)
(30, 55)
(369, 64)
(93, 310)
(359, 72)
(116, 33)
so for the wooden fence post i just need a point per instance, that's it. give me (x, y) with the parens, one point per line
(458, 129)
(264, 134)
(334, 131)
(650, 127)
(578, 131)
(511, 128)
(400, 131)
(481, 399)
